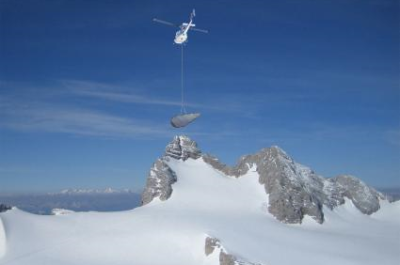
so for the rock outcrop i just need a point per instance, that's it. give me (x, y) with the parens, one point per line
(183, 148)
(159, 182)
(161, 176)
(365, 198)
(294, 190)
(213, 244)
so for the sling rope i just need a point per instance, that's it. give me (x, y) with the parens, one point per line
(183, 111)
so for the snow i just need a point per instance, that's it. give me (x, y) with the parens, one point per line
(58, 211)
(389, 212)
(204, 202)
(2, 240)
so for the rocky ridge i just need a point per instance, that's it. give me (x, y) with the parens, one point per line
(294, 190)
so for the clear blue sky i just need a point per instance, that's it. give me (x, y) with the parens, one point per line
(87, 88)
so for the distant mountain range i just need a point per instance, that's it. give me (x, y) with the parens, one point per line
(392, 193)
(105, 191)
(75, 199)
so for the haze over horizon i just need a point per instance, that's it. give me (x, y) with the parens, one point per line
(87, 88)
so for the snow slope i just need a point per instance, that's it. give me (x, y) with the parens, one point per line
(2, 240)
(204, 203)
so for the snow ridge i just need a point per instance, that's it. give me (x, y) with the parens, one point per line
(294, 190)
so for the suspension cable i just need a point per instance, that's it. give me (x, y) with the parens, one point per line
(183, 111)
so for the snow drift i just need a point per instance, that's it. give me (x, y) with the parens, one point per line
(198, 211)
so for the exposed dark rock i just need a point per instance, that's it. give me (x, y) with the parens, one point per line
(182, 147)
(292, 188)
(161, 176)
(226, 259)
(295, 190)
(4, 208)
(213, 244)
(159, 182)
(365, 198)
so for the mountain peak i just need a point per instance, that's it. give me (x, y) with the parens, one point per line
(182, 147)
(274, 152)
(293, 190)
(278, 150)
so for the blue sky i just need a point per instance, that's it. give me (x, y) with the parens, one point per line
(87, 88)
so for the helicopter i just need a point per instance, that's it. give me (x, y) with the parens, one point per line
(181, 36)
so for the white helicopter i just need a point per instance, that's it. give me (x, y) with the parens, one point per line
(181, 36)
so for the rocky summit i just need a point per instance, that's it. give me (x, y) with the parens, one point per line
(183, 148)
(293, 190)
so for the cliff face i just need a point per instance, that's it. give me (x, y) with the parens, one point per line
(294, 190)
(159, 182)
(161, 176)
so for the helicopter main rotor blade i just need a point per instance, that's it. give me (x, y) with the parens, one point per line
(199, 30)
(165, 22)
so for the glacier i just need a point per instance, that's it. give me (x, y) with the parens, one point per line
(197, 210)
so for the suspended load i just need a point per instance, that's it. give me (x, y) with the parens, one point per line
(182, 120)
(181, 38)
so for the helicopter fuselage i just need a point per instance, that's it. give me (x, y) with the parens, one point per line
(180, 37)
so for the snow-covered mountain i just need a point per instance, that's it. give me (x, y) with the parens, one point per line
(268, 209)
(294, 190)
(92, 191)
